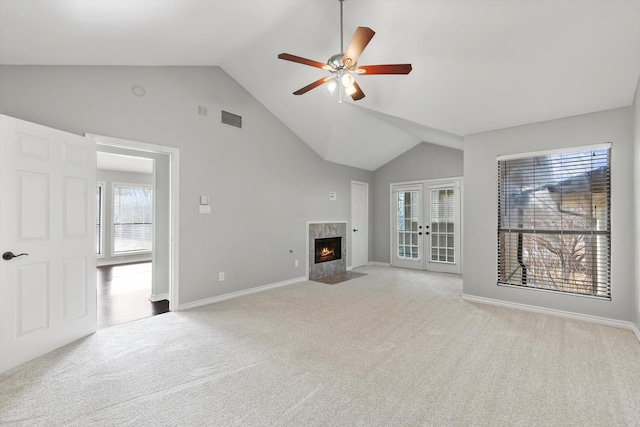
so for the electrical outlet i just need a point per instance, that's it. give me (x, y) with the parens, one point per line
(296, 263)
(221, 277)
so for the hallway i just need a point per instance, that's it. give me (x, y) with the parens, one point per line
(123, 294)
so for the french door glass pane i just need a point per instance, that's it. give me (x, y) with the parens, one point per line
(408, 214)
(442, 225)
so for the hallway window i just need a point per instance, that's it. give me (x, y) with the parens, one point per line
(99, 219)
(554, 222)
(132, 218)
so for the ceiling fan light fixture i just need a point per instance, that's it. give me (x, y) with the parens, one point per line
(331, 86)
(347, 80)
(350, 90)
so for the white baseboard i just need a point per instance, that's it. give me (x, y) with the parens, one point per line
(560, 313)
(239, 293)
(159, 297)
(635, 330)
(378, 263)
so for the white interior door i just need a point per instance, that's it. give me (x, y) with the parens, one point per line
(359, 223)
(47, 200)
(407, 236)
(442, 236)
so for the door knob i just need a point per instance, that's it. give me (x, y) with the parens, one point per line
(9, 255)
(354, 230)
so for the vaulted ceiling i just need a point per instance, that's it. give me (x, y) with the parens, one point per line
(478, 65)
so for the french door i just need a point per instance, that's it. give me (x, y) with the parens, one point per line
(426, 225)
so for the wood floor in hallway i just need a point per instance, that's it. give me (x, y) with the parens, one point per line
(123, 294)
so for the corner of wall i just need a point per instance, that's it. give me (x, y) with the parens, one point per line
(636, 206)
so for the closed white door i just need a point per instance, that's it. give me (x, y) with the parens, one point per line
(359, 223)
(408, 234)
(47, 213)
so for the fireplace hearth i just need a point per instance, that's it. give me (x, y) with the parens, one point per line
(328, 249)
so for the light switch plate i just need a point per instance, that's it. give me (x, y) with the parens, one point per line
(333, 195)
(205, 209)
(205, 200)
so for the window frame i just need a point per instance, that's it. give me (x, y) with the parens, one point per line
(113, 251)
(100, 215)
(599, 292)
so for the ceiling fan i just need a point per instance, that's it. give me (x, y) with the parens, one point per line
(343, 65)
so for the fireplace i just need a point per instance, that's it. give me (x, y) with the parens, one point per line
(328, 249)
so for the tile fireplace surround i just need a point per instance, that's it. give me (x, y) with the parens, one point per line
(320, 230)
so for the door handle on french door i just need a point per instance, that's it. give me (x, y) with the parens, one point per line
(355, 230)
(9, 255)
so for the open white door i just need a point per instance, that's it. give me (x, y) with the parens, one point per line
(47, 210)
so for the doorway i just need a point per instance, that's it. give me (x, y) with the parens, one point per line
(164, 253)
(126, 204)
(426, 225)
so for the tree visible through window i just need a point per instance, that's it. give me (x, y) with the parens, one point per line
(554, 225)
(132, 218)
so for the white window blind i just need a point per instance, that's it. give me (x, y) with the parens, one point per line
(442, 225)
(554, 222)
(99, 217)
(132, 218)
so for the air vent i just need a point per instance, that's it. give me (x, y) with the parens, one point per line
(231, 119)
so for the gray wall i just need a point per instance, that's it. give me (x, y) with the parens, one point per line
(636, 186)
(480, 211)
(424, 161)
(108, 178)
(264, 182)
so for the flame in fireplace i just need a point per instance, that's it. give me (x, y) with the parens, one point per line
(325, 252)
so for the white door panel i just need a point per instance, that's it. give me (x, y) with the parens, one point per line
(48, 297)
(359, 223)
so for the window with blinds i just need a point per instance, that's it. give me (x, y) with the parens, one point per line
(132, 218)
(554, 221)
(99, 217)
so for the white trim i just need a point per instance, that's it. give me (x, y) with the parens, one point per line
(127, 260)
(174, 197)
(237, 294)
(603, 146)
(378, 263)
(635, 330)
(552, 312)
(159, 297)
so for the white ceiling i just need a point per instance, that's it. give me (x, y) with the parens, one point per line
(478, 65)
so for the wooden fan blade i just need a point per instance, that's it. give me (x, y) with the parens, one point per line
(313, 85)
(359, 94)
(359, 41)
(304, 61)
(385, 69)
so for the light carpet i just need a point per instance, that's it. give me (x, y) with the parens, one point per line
(391, 348)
